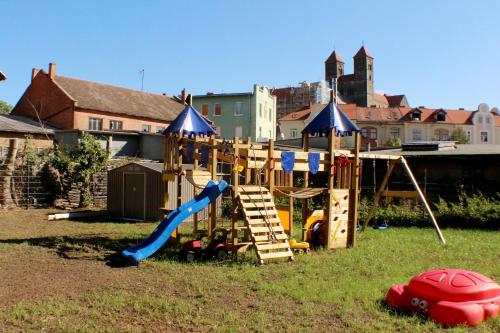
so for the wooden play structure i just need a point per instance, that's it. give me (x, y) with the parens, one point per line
(260, 173)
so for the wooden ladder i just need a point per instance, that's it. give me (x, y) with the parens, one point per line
(261, 218)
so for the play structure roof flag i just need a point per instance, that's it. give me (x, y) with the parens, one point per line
(190, 122)
(331, 118)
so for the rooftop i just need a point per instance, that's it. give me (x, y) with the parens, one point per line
(18, 124)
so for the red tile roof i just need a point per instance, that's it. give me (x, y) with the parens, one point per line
(394, 100)
(300, 114)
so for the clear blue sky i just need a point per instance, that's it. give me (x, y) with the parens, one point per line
(439, 53)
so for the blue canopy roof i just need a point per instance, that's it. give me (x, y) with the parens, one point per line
(190, 122)
(331, 118)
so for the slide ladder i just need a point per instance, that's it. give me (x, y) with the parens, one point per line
(261, 218)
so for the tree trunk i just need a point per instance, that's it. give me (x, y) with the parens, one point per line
(8, 171)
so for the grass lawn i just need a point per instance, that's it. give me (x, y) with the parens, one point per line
(54, 277)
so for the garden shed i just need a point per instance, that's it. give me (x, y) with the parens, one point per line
(135, 191)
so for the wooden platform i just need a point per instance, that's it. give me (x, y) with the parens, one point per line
(267, 233)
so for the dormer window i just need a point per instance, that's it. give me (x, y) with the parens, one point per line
(416, 115)
(441, 115)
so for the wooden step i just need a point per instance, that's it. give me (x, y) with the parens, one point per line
(257, 204)
(274, 255)
(272, 246)
(259, 220)
(258, 230)
(265, 238)
(264, 213)
(248, 197)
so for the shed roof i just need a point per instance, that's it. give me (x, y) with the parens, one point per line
(19, 124)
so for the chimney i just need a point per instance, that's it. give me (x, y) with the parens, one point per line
(34, 72)
(183, 96)
(52, 71)
(190, 100)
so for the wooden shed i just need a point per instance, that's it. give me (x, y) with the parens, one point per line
(135, 192)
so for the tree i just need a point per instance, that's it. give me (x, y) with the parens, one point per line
(459, 136)
(5, 107)
(79, 164)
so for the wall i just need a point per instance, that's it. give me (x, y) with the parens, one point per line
(151, 146)
(265, 121)
(39, 141)
(82, 117)
(287, 126)
(53, 105)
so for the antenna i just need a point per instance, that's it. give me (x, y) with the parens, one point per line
(141, 72)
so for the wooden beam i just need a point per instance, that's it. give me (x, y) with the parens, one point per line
(401, 194)
(392, 164)
(331, 180)
(352, 220)
(234, 213)
(213, 206)
(305, 202)
(424, 201)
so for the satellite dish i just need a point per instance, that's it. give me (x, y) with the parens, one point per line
(483, 107)
(495, 111)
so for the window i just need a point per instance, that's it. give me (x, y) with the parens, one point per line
(364, 132)
(270, 114)
(373, 134)
(417, 135)
(95, 124)
(217, 109)
(469, 134)
(484, 136)
(238, 131)
(370, 67)
(480, 119)
(160, 129)
(238, 110)
(115, 125)
(415, 115)
(441, 116)
(146, 128)
(293, 132)
(260, 132)
(394, 133)
(487, 119)
(204, 109)
(442, 134)
(218, 130)
(260, 109)
(270, 134)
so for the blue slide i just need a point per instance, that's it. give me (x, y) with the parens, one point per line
(162, 233)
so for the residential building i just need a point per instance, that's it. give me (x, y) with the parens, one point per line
(69, 103)
(382, 127)
(241, 115)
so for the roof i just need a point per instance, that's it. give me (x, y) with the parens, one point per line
(154, 166)
(20, 124)
(108, 98)
(223, 95)
(461, 150)
(190, 122)
(428, 115)
(331, 118)
(395, 100)
(363, 52)
(2, 76)
(300, 114)
(334, 57)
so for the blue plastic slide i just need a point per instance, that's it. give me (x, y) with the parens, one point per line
(162, 233)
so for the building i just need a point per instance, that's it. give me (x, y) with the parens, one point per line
(16, 127)
(385, 127)
(241, 115)
(69, 104)
(291, 99)
(358, 88)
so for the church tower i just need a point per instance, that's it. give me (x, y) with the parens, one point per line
(363, 78)
(334, 67)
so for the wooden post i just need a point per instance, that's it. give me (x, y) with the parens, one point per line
(270, 166)
(354, 194)
(195, 166)
(180, 151)
(392, 164)
(305, 203)
(248, 171)
(424, 201)
(331, 180)
(234, 215)
(290, 205)
(213, 169)
(167, 157)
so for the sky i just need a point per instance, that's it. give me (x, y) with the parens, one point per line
(442, 53)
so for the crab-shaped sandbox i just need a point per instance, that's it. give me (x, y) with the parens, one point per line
(449, 296)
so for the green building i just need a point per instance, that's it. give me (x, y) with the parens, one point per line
(241, 115)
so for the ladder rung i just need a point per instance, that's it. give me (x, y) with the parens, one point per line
(272, 255)
(272, 246)
(275, 229)
(265, 238)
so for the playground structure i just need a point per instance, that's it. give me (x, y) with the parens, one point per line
(258, 173)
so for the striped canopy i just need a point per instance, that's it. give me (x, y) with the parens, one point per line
(190, 122)
(331, 118)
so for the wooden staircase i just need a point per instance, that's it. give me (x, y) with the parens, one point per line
(261, 218)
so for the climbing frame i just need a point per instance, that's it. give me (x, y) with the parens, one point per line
(337, 232)
(261, 218)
